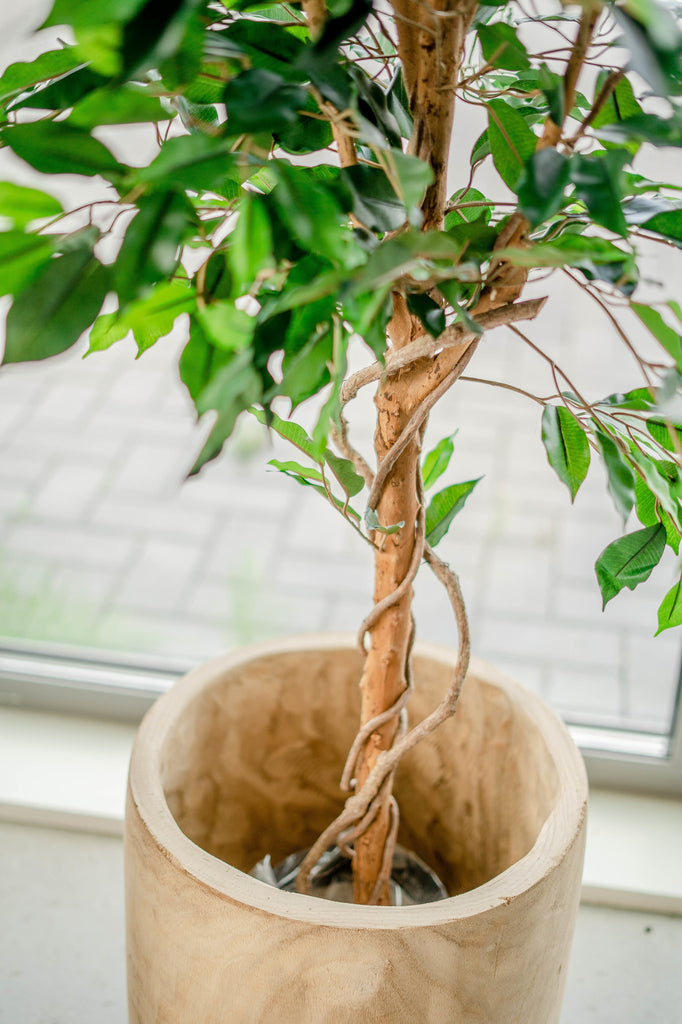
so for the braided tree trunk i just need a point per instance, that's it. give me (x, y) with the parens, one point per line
(431, 57)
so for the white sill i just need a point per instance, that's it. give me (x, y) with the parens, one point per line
(70, 772)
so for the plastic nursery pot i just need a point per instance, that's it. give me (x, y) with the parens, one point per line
(242, 758)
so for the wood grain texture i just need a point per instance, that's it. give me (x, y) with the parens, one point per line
(243, 758)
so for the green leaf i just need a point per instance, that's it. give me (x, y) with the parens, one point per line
(250, 243)
(24, 75)
(305, 369)
(50, 315)
(670, 612)
(227, 327)
(552, 86)
(668, 223)
(542, 185)
(414, 176)
(24, 205)
(290, 431)
(149, 319)
(92, 13)
(465, 214)
(197, 162)
(345, 473)
(309, 211)
(668, 338)
(599, 183)
(260, 101)
(501, 47)
(620, 475)
(127, 104)
(233, 390)
(620, 106)
(152, 243)
(512, 143)
(372, 523)
(567, 447)
(374, 200)
(437, 461)
(54, 147)
(304, 474)
(21, 257)
(443, 508)
(630, 560)
(430, 314)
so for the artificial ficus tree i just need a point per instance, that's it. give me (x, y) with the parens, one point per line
(300, 196)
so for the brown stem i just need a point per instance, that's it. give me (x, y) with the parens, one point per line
(552, 132)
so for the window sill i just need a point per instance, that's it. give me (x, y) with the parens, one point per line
(70, 772)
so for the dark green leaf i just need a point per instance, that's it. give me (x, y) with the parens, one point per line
(437, 461)
(197, 162)
(58, 148)
(670, 612)
(261, 101)
(620, 475)
(232, 390)
(668, 224)
(310, 212)
(512, 143)
(151, 247)
(542, 185)
(305, 368)
(374, 200)
(552, 86)
(305, 134)
(58, 306)
(630, 560)
(200, 361)
(250, 243)
(430, 314)
(568, 450)
(269, 46)
(62, 92)
(443, 508)
(599, 183)
(413, 176)
(501, 47)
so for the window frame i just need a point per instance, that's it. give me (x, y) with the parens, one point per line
(122, 688)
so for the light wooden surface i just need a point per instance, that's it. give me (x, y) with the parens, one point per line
(243, 758)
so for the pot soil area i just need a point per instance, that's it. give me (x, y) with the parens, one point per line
(242, 759)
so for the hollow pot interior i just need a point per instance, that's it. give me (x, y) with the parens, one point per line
(243, 759)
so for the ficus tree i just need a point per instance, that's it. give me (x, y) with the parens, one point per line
(299, 197)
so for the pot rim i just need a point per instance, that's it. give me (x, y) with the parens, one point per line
(559, 832)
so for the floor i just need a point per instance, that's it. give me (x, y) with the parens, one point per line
(62, 942)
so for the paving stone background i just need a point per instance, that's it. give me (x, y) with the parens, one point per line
(104, 544)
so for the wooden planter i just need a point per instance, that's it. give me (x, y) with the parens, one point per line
(243, 757)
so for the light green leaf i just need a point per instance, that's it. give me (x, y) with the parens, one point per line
(21, 256)
(23, 204)
(669, 339)
(567, 447)
(149, 318)
(345, 473)
(290, 431)
(670, 612)
(443, 508)
(630, 560)
(227, 327)
(437, 461)
(372, 523)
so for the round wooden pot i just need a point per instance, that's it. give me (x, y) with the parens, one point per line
(242, 758)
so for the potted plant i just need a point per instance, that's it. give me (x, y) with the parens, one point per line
(299, 199)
